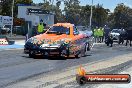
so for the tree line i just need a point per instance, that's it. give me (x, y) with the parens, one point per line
(74, 13)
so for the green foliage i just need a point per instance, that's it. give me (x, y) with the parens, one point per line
(122, 16)
(72, 11)
(20, 2)
(48, 5)
(23, 1)
(76, 14)
(100, 15)
(6, 7)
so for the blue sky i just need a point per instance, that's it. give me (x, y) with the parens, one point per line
(110, 4)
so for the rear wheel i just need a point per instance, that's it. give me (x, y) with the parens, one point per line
(78, 54)
(87, 47)
(83, 51)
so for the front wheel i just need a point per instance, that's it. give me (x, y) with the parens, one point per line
(87, 47)
(82, 52)
(31, 54)
(78, 54)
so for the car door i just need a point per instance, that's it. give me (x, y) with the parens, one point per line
(79, 41)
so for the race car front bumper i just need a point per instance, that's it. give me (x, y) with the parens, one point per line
(26, 51)
(54, 51)
(47, 50)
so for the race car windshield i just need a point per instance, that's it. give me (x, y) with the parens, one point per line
(115, 31)
(58, 30)
(83, 29)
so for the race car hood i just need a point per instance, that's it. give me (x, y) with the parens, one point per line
(52, 38)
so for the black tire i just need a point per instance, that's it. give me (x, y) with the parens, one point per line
(31, 54)
(87, 47)
(78, 55)
(67, 52)
(81, 53)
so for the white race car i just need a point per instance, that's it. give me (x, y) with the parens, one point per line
(115, 34)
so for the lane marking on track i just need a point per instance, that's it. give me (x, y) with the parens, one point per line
(85, 65)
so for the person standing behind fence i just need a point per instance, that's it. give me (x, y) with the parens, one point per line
(101, 34)
(95, 34)
(40, 29)
(98, 35)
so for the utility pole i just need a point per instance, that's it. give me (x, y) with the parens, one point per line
(12, 10)
(52, 5)
(91, 15)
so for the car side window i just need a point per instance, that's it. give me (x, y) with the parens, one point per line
(75, 31)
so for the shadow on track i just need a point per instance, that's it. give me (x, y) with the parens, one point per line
(58, 57)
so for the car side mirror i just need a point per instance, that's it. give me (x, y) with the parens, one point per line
(75, 32)
(67, 33)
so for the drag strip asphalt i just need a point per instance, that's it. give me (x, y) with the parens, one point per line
(16, 67)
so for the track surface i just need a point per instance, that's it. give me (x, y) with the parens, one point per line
(17, 68)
